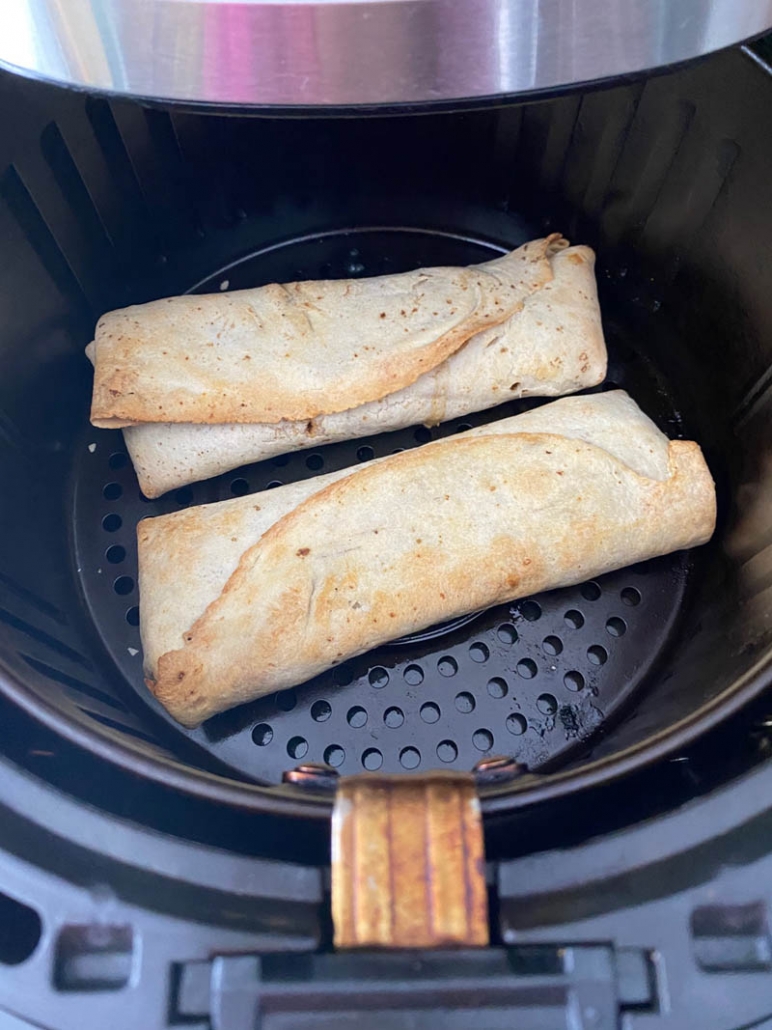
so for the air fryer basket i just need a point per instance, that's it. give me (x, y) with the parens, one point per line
(106, 204)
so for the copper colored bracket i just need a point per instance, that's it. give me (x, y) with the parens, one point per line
(408, 866)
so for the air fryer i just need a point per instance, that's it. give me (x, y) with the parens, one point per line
(158, 877)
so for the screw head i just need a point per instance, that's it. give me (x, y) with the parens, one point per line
(498, 769)
(312, 776)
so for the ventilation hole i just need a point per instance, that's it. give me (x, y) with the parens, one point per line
(413, 675)
(516, 724)
(365, 454)
(112, 491)
(410, 758)
(280, 461)
(497, 687)
(398, 450)
(465, 702)
(321, 711)
(447, 666)
(463, 427)
(507, 633)
(616, 627)
(123, 585)
(112, 523)
(286, 700)
(530, 610)
(631, 596)
(334, 755)
(447, 751)
(314, 462)
(273, 484)
(118, 460)
(343, 675)
(479, 653)
(262, 734)
(547, 704)
(356, 717)
(482, 740)
(132, 616)
(378, 678)
(297, 747)
(430, 712)
(597, 655)
(590, 591)
(372, 759)
(574, 619)
(394, 717)
(552, 645)
(115, 554)
(574, 680)
(422, 435)
(20, 931)
(527, 668)
(184, 497)
(239, 487)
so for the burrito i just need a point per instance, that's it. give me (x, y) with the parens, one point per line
(367, 357)
(257, 594)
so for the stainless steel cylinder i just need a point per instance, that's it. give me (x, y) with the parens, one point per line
(360, 52)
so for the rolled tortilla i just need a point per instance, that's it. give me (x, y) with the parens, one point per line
(303, 349)
(249, 596)
(553, 345)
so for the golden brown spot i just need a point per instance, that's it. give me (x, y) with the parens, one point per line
(303, 552)
(576, 259)
(514, 386)
(383, 314)
(180, 676)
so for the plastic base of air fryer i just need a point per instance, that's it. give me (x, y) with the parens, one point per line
(535, 679)
(661, 925)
